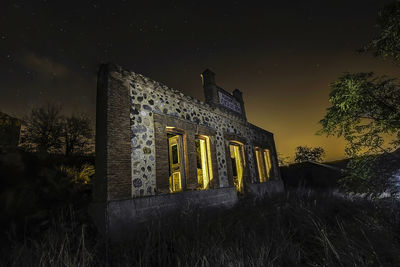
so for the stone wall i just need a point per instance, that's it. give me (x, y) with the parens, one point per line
(149, 97)
(113, 178)
(131, 184)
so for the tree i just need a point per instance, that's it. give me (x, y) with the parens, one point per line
(387, 42)
(305, 153)
(46, 130)
(77, 133)
(365, 110)
(282, 160)
(43, 129)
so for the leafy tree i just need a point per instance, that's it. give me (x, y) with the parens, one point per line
(365, 110)
(77, 133)
(282, 160)
(371, 174)
(305, 153)
(82, 175)
(387, 42)
(43, 129)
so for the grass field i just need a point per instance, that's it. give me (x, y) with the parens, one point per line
(300, 228)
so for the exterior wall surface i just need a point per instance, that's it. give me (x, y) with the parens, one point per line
(149, 97)
(133, 113)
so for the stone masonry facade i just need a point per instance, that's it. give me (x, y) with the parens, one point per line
(133, 113)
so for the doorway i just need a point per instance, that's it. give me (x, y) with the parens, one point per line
(176, 162)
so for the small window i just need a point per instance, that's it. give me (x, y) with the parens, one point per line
(204, 164)
(263, 163)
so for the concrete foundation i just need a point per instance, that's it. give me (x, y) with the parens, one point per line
(125, 216)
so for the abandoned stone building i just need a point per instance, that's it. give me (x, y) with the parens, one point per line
(158, 150)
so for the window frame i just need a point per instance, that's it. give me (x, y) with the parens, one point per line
(263, 163)
(189, 130)
(228, 138)
(181, 156)
(208, 161)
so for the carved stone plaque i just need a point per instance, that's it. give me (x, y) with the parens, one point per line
(229, 101)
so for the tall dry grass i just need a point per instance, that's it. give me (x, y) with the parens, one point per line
(301, 228)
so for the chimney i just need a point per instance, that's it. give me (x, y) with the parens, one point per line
(238, 95)
(210, 88)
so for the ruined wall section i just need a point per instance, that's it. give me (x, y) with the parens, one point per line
(126, 125)
(265, 139)
(113, 151)
(149, 97)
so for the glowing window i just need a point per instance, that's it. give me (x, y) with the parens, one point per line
(175, 155)
(263, 163)
(236, 152)
(204, 166)
(260, 165)
(267, 161)
(176, 168)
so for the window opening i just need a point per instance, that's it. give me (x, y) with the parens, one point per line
(204, 166)
(175, 162)
(263, 163)
(267, 159)
(260, 165)
(236, 154)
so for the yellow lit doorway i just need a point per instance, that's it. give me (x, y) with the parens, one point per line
(176, 162)
(237, 159)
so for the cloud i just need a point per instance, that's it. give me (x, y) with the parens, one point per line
(45, 66)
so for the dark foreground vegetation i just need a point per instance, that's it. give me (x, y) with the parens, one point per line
(301, 228)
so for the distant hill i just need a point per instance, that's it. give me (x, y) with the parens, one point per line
(327, 174)
(341, 164)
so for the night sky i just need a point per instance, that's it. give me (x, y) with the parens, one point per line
(283, 55)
